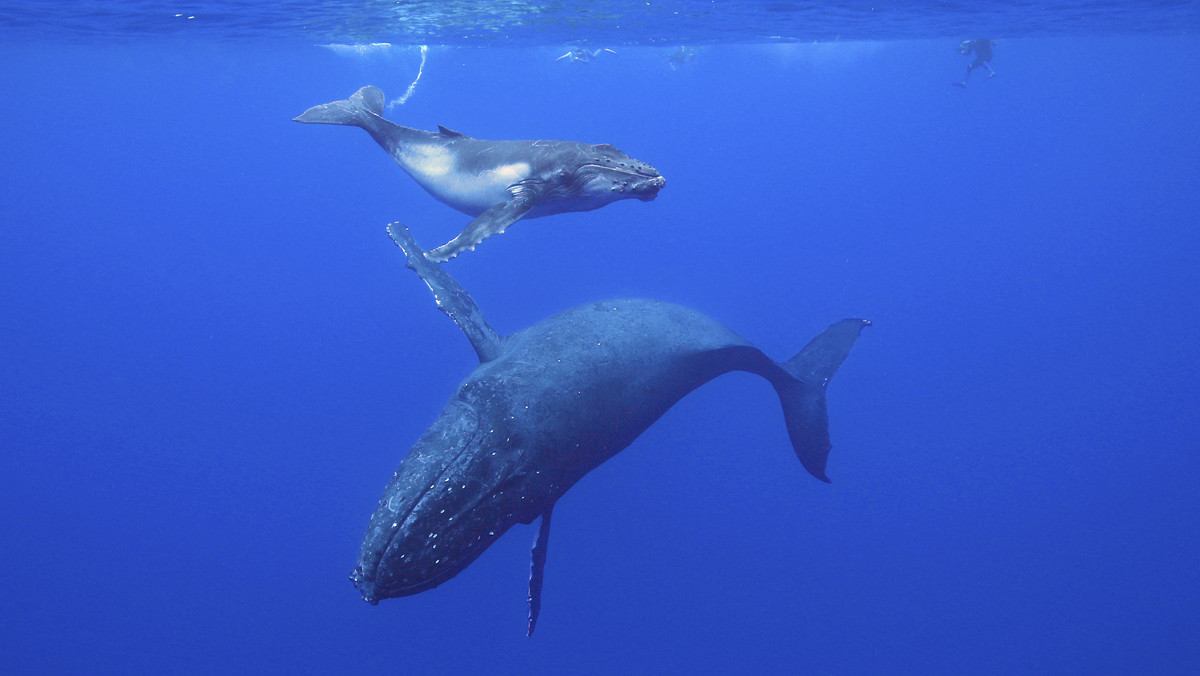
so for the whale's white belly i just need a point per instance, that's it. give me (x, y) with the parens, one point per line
(435, 169)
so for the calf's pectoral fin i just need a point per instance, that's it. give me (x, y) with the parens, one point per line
(490, 222)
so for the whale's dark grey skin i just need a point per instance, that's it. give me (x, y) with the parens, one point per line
(548, 404)
(497, 182)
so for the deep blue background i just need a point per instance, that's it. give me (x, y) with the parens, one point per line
(213, 359)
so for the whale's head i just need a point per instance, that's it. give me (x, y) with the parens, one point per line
(459, 489)
(607, 174)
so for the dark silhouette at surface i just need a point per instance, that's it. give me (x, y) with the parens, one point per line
(681, 56)
(982, 49)
(547, 405)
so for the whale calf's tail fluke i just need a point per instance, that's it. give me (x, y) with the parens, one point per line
(360, 110)
(803, 395)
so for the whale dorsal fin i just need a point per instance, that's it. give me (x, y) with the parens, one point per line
(450, 133)
(450, 297)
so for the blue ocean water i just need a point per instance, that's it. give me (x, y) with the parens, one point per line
(213, 358)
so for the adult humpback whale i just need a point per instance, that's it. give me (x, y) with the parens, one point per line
(548, 404)
(497, 182)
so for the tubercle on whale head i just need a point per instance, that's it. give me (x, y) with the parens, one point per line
(648, 190)
(610, 173)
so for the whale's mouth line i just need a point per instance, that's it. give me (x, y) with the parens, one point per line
(373, 573)
(391, 592)
(620, 170)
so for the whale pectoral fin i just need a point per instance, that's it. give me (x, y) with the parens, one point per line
(490, 222)
(450, 297)
(537, 569)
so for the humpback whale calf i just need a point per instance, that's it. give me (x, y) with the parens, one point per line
(547, 405)
(497, 182)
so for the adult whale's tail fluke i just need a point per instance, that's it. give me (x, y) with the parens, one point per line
(803, 395)
(360, 110)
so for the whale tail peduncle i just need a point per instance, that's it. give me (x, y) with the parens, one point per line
(803, 395)
(360, 110)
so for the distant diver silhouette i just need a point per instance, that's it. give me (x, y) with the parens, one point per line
(680, 56)
(983, 56)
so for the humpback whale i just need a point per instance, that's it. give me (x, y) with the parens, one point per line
(497, 182)
(548, 404)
